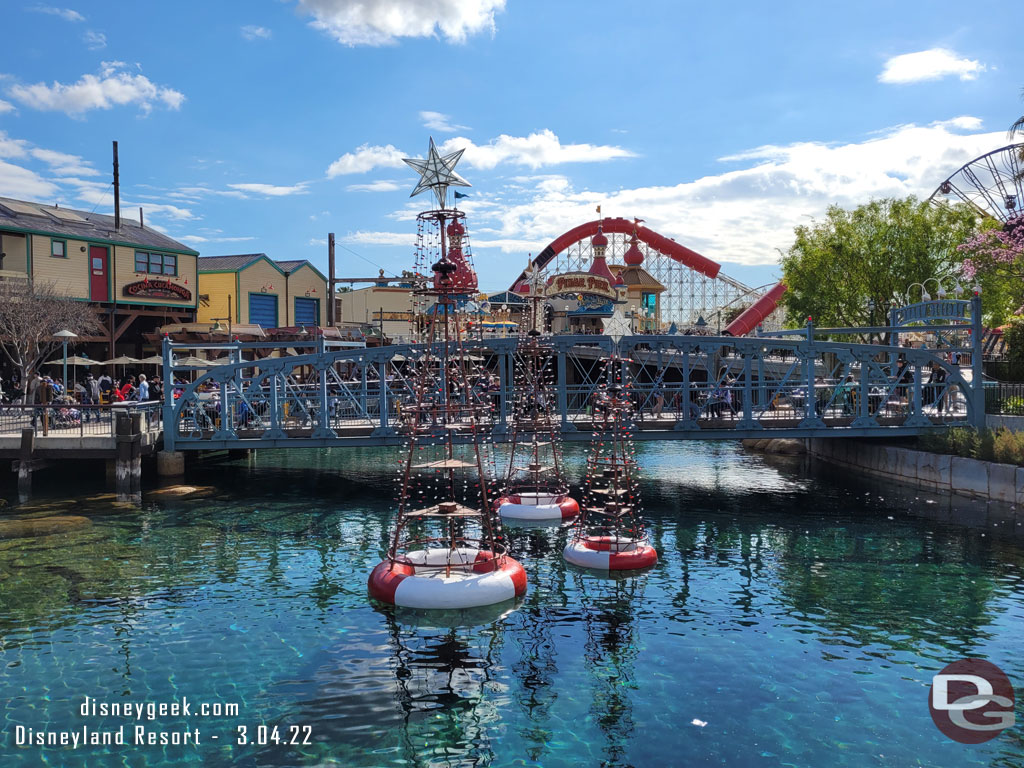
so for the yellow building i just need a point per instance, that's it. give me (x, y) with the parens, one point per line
(254, 289)
(137, 278)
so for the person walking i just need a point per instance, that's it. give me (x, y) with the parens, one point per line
(142, 391)
(91, 397)
(32, 395)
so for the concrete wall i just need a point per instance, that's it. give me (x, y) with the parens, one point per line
(1012, 423)
(930, 471)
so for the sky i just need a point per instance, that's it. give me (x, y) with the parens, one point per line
(262, 126)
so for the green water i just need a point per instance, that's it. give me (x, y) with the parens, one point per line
(798, 613)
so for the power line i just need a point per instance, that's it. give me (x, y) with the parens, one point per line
(357, 255)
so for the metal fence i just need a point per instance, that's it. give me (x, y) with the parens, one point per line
(75, 419)
(1004, 398)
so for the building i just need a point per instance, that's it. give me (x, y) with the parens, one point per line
(136, 278)
(388, 309)
(642, 292)
(254, 289)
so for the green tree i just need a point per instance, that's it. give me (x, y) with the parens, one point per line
(847, 269)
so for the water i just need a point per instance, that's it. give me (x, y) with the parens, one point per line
(800, 615)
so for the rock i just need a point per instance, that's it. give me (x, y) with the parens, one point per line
(786, 446)
(182, 492)
(41, 526)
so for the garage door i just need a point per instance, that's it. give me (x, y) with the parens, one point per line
(263, 309)
(307, 311)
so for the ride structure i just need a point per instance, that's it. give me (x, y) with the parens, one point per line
(535, 486)
(447, 550)
(609, 534)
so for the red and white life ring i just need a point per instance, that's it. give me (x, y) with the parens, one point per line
(608, 553)
(537, 506)
(473, 578)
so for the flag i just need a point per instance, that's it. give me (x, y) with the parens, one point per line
(459, 195)
(599, 211)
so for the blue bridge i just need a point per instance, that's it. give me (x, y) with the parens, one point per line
(808, 382)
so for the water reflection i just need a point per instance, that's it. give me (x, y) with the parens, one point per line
(788, 598)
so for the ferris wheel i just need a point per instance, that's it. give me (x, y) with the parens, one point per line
(992, 184)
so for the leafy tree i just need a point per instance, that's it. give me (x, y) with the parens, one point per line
(848, 269)
(30, 313)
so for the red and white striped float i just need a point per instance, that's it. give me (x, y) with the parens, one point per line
(537, 506)
(447, 578)
(610, 553)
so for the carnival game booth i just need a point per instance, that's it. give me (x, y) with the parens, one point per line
(609, 534)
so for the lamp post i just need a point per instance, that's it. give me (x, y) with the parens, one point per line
(64, 336)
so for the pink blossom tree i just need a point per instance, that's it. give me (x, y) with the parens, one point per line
(994, 258)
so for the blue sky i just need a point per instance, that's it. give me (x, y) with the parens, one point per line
(261, 126)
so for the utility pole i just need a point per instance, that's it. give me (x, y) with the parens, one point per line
(331, 319)
(117, 191)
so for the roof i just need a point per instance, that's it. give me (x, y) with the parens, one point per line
(229, 263)
(27, 216)
(638, 276)
(294, 265)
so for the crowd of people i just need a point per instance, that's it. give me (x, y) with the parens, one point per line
(49, 395)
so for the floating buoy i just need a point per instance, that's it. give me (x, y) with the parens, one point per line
(447, 578)
(537, 506)
(609, 553)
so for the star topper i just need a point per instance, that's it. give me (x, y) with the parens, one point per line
(437, 173)
(617, 325)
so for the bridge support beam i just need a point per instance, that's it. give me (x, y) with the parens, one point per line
(128, 467)
(170, 463)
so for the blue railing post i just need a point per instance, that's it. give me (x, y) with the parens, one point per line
(563, 394)
(170, 423)
(503, 391)
(977, 374)
(811, 418)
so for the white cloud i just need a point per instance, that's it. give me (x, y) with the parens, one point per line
(12, 147)
(272, 190)
(63, 164)
(438, 121)
(375, 186)
(113, 87)
(6, 106)
(24, 184)
(380, 238)
(201, 239)
(364, 159)
(746, 215)
(65, 13)
(534, 151)
(199, 191)
(382, 22)
(318, 241)
(94, 41)
(539, 149)
(253, 32)
(933, 64)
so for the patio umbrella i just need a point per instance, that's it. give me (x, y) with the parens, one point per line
(74, 361)
(195, 362)
(152, 360)
(122, 360)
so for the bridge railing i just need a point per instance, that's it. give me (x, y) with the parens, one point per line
(679, 384)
